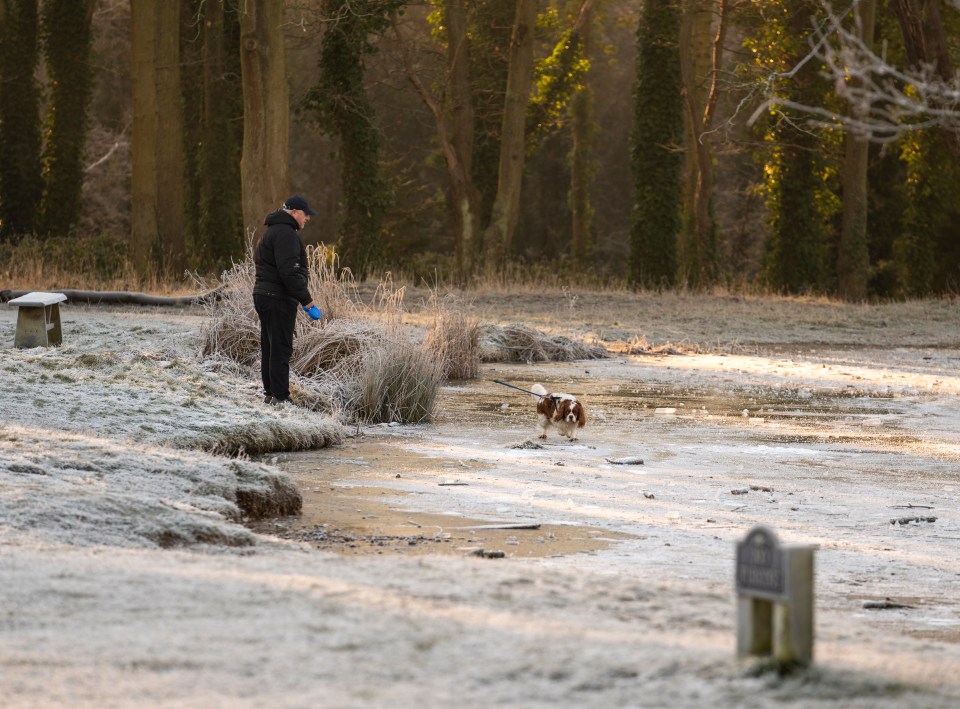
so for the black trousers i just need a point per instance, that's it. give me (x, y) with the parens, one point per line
(278, 316)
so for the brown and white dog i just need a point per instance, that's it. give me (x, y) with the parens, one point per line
(560, 410)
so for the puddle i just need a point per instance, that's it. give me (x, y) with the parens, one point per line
(350, 520)
(358, 497)
(345, 511)
(798, 405)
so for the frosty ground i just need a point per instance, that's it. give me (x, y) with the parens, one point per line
(128, 579)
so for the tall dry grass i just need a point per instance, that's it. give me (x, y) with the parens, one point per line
(98, 263)
(358, 361)
(455, 338)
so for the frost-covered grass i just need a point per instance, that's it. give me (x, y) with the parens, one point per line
(78, 490)
(124, 436)
(115, 378)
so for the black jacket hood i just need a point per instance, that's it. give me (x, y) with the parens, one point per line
(281, 216)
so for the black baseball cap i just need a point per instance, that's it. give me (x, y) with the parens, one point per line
(298, 202)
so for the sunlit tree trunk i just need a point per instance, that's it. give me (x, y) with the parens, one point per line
(157, 151)
(853, 257)
(21, 184)
(700, 63)
(583, 133)
(503, 219)
(264, 170)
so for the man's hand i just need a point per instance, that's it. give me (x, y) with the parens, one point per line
(313, 311)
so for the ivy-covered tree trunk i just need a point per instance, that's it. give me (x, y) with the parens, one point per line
(853, 256)
(925, 251)
(503, 219)
(264, 168)
(341, 106)
(21, 184)
(490, 30)
(656, 158)
(213, 103)
(67, 44)
(157, 185)
(191, 85)
(221, 223)
(798, 197)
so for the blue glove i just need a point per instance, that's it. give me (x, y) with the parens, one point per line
(313, 311)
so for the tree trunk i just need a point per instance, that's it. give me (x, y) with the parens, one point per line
(266, 111)
(656, 161)
(581, 168)
(700, 67)
(463, 198)
(221, 225)
(696, 246)
(157, 150)
(21, 185)
(503, 220)
(853, 257)
(797, 244)
(926, 45)
(923, 35)
(67, 37)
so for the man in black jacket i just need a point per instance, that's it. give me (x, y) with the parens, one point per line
(281, 284)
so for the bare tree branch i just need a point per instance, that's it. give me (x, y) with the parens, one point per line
(884, 101)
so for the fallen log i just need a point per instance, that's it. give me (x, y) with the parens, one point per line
(124, 297)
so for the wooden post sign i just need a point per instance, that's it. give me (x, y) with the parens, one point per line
(774, 599)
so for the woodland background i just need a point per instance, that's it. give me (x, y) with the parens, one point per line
(786, 146)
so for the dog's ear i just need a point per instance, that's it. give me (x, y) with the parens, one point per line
(559, 407)
(545, 406)
(582, 416)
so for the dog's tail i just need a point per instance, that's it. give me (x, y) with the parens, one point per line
(538, 389)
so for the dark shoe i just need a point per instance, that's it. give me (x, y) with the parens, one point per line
(279, 402)
(268, 399)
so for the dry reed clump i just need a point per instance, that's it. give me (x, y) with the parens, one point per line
(519, 343)
(232, 329)
(455, 340)
(355, 361)
(398, 383)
